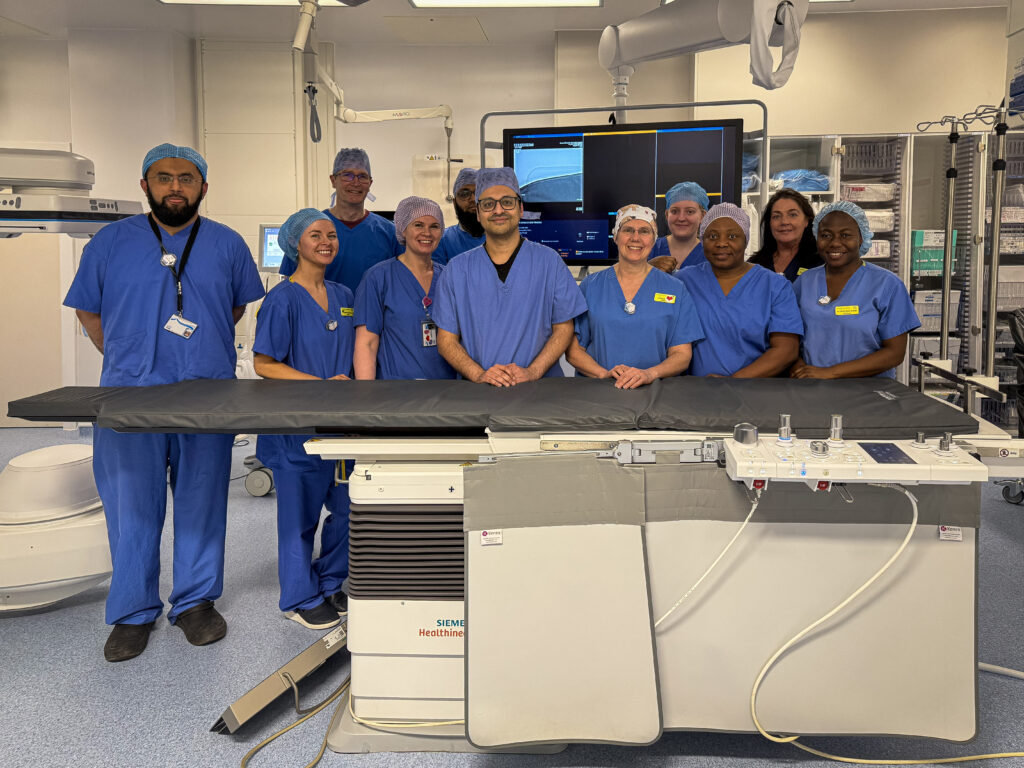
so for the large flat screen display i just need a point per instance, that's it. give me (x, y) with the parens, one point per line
(573, 179)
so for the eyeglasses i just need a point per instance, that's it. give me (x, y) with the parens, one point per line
(165, 179)
(362, 178)
(465, 194)
(629, 231)
(488, 204)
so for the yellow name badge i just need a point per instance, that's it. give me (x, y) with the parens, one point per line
(851, 310)
(350, 312)
(665, 298)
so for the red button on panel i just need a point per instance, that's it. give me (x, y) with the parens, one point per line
(824, 485)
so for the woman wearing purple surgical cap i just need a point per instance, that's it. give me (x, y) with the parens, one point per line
(396, 337)
(640, 323)
(751, 321)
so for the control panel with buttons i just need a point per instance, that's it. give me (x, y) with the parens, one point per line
(819, 463)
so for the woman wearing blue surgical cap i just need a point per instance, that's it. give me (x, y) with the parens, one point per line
(750, 317)
(685, 206)
(856, 316)
(640, 324)
(396, 337)
(305, 330)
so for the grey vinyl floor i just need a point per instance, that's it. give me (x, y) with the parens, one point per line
(61, 704)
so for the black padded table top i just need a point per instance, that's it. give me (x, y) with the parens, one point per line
(872, 408)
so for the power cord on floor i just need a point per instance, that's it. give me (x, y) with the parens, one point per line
(814, 625)
(310, 713)
(753, 508)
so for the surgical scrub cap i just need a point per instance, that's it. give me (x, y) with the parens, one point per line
(410, 209)
(687, 190)
(630, 212)
(351, 157)
(726, 211)
(493, 177)
(855, 212)
(292, 229)
(466, 177)
(172, 150)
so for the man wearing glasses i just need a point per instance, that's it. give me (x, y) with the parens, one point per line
(467, 233)
(364, 238)
(505, 309)
(159, 295)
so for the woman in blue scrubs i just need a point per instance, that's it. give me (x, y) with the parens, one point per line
(685, 206)
(640, 323)
(857, 316)
(304, 330)
(751, 322)
(396, 338)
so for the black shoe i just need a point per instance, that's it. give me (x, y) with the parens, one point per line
(202, 624)
(321, 616)
(339, 602)
(126, 641)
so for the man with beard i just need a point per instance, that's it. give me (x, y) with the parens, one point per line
(159, 295)
(504, 310)
(364, 238)
(468, 233)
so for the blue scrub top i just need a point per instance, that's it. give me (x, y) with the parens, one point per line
(665, 317)
(359, 248)
(737, 326)
(121, 278)
(873, 306)
(389, 302)
(694, 259)
(454, 241)
(510, 322)
(292, 328)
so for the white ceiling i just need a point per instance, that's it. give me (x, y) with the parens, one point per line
(378, 21)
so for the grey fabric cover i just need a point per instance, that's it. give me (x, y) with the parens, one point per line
(873, 408)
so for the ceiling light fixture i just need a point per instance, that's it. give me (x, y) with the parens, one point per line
(292, 3)
(506, 3)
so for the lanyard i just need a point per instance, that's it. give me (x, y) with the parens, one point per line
(171, 260)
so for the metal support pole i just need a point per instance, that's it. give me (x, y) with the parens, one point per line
(998, 184)
(948, 255)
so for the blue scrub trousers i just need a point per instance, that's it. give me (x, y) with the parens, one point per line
(301, 496)
(131, 476)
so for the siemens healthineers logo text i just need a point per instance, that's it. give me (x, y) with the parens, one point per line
(445, 628)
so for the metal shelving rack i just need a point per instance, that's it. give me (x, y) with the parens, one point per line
(1011, 287)
(883, 160)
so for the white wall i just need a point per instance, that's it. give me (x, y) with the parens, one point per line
(471, 79)
(873, 72)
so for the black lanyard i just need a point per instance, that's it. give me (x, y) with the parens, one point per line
(177, 271)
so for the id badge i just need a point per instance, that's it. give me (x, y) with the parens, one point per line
(179, 326)
(429, 333)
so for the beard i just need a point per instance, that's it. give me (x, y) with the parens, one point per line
(469, 222)
(173, 217)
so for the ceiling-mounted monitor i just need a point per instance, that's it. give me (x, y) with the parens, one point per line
(574, 179)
